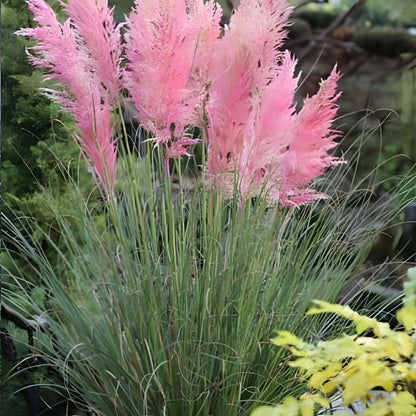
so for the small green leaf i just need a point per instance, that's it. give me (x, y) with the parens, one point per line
(267, 411)
(412, 273)
(407, 317)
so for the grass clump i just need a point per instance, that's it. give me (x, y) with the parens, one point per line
(159, 308)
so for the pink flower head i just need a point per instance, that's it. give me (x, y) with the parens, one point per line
(179, 147)
(257, 142)
(307, 156)
(95, 24)
(245, 131)
(73, 60)
(256, 31)
(162, 44)
(182, 70)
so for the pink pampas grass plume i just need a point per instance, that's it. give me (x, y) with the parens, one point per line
(258, 144)
(71, 60)
(95, 24)
(312, 137)
(163, 44)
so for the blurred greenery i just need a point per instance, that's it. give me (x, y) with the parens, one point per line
(378, 12)
(379, 88)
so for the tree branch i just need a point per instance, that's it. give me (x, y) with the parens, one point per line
(340, 19)
(18, 319)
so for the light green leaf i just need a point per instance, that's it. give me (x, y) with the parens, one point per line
(267, 411)
(407, 317)
(286, 338)
(315, 398)
(290, 407)
(320, 377)
(412, 273)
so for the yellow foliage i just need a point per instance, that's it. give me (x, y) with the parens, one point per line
(399, 404)
(407, 317)
(292, 407)
(356, 365)
(363, 323)
(321, 377)
(315, 398)
(286, 338)
(365, 373)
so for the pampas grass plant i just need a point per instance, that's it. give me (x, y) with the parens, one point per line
(168, 309)
(164, 300)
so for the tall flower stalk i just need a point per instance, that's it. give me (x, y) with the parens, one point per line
(83, 55)
(183, 70)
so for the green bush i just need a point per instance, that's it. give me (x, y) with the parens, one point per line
(29, 120)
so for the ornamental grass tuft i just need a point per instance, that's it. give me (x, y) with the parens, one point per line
(168, 309)
(156, 298)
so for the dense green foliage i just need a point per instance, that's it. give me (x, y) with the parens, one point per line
(32, 136)
(38, 147)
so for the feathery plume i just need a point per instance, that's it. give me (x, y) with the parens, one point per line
(163, 40)
(95, 24)
(256, 139)
(183, 71)
(307, 156)
(73, 62)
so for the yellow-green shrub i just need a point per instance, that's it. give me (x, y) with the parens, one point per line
(356, 364)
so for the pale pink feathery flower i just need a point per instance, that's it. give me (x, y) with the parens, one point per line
(307, 156)
(268, 131)
(257, 142)
(66, 55)
(163, 42)
(246, 57)
(264, 135)
(275, 115)
(179, 148)
(257, 30)
(243, 63)
(95, 24)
